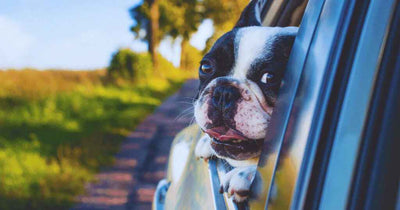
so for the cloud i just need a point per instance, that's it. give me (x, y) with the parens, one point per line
(14, 44)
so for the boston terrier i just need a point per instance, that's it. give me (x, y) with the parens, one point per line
(239, 80)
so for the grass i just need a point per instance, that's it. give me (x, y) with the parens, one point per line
(57, 128)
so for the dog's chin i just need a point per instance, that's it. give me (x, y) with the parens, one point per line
(237, 149)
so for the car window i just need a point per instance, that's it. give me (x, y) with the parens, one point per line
(354, 111)
(324, 103)
(376, 178)
(282, 13)
(273, 13)
(280, 119)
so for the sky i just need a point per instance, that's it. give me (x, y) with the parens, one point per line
(74, 34)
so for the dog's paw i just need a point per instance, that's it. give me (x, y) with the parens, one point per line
(237, 183)
(203, 148)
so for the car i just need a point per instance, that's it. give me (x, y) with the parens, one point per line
(334, 136)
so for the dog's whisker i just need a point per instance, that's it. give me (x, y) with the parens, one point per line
(188, 112)
(182, 114)
(190, 98)
(189, 108)
(185, 102)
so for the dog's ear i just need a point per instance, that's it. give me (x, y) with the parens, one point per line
(250, 15)
(283, 43)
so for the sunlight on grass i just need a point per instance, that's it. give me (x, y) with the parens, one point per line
(57, 128)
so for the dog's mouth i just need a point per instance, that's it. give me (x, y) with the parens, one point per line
(223, 133)
(230, 143)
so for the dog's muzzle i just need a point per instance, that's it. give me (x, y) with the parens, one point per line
(232, 114)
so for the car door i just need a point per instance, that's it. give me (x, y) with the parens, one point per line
(322, 146)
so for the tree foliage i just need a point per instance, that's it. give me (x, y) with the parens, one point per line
(224, 14)
(176, 18)
(190, 57)
(181, 18)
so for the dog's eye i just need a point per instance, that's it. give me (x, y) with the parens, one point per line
(206, 68)
(267, 78)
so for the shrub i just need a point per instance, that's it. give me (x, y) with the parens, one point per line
(128, 65)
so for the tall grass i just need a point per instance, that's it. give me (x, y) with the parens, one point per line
(57, 128)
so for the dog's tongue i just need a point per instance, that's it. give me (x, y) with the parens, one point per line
(224, 133)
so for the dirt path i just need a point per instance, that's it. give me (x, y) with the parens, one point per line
(141, 162)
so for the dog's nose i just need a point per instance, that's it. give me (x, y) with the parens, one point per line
(224, 97)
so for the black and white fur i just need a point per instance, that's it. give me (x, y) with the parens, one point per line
(239, 80)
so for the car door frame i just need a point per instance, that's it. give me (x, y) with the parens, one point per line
(355, 36)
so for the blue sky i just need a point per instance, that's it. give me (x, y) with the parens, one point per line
(73, 34)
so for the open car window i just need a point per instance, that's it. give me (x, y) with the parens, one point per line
(273, 13)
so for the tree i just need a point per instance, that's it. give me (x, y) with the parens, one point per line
(181, 18)
(175, 18)
(147, 18)
(224, 14)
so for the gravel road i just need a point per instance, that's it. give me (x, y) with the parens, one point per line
(142, 160)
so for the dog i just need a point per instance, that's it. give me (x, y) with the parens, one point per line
(239, 81)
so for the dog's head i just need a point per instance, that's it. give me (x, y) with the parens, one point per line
(239, 80)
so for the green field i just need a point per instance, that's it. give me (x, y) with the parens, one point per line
(57, 128)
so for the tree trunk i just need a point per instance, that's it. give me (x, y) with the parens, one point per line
(153, 31)
(183, 62)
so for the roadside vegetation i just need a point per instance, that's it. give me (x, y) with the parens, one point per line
(58, 127)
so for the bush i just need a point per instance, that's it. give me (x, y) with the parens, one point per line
(128, 65)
